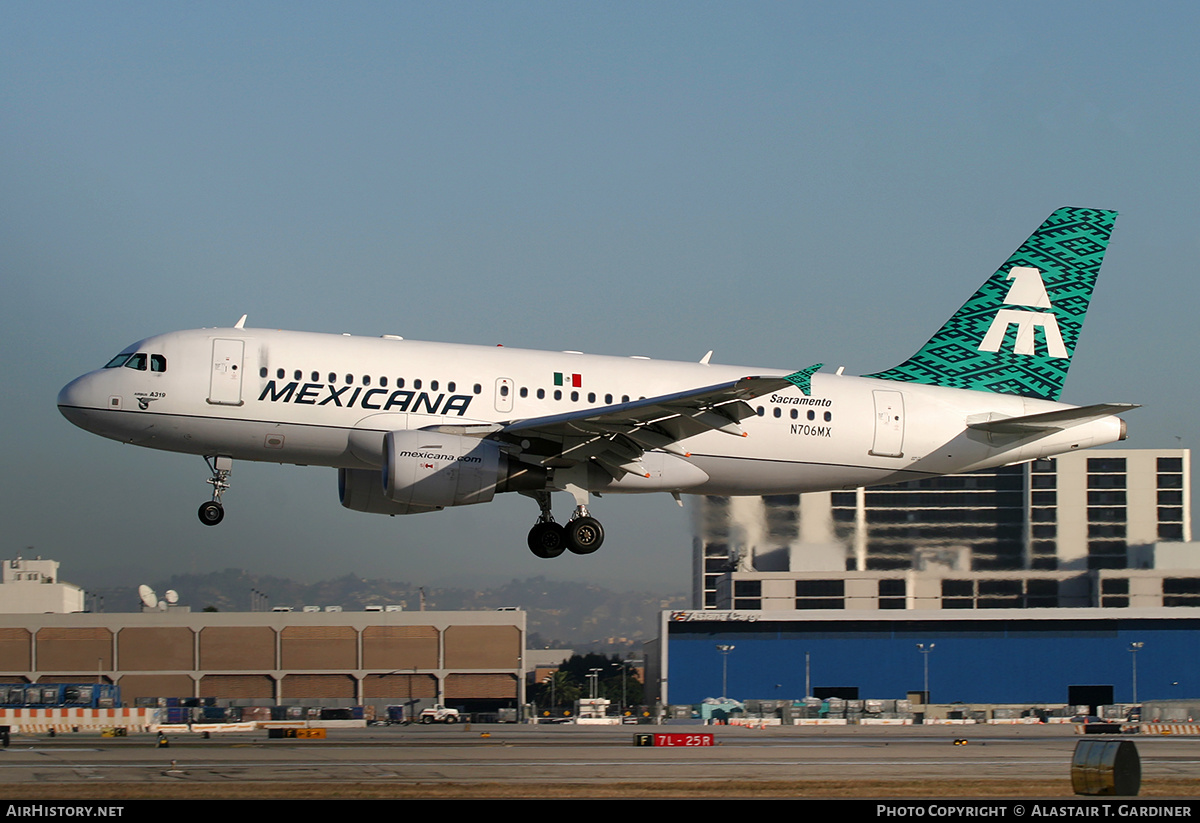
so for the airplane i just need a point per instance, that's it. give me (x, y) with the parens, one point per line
(417, 426)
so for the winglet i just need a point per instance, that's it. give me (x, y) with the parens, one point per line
(803, 379)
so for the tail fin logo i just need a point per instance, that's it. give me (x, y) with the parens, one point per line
(1043, 290)
(1027, 290)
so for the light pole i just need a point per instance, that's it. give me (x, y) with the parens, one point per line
(622, 665)
(725, 649)
(595, 677)
(624, 690)
(925, 649)
(1134, 648)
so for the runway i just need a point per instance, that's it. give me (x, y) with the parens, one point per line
(545, 756)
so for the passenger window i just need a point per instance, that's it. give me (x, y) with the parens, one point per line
(541, 394)
(158, 362)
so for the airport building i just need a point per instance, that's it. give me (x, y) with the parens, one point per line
(982, 656)
(472, 660)
(33, 587)
(1072, 580)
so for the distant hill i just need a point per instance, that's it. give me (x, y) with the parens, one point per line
(560, 614)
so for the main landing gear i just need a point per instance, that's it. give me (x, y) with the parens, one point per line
(582, 534)
(212, 512)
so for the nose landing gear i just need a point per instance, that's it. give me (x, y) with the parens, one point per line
(212, 512)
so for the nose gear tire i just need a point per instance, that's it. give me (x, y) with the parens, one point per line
(211, 513)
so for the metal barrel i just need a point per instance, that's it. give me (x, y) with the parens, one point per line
(1106, 767)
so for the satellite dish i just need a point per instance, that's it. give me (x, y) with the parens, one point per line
(172, 596)
(148, 597)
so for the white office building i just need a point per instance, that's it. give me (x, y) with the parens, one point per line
(33, 587)
(1091, 528)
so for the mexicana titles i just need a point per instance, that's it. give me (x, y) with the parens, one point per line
(398, 400)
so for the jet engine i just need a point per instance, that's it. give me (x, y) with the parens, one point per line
(426, 471)
(437, 470)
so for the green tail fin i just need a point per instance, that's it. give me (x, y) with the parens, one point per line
(1017, 334)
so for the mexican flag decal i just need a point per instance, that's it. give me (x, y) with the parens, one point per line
(574, 380)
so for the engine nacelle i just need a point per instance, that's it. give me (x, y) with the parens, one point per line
(432, 469)
(362, 491)
(429, 470)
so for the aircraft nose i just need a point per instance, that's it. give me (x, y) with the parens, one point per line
(69, 395)
(75, 400)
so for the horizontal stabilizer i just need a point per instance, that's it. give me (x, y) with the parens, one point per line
(1050, 421)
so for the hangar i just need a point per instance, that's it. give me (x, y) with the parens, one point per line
(471, 660)
(973, 656)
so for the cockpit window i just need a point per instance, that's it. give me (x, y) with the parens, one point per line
(118, 361)
(158, 362)
(137, 361)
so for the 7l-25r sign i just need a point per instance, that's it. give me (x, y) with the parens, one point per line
(673, 740)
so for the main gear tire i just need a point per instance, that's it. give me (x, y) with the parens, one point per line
(547, 540)
(584, 535)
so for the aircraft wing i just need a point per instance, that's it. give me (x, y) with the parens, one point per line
(615, 437)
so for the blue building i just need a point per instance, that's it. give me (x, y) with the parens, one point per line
(974, 656)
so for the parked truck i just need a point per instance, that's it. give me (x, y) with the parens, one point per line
(439, 714)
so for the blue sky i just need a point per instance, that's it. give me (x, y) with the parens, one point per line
(784, 183)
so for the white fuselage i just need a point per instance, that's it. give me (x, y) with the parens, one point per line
(321, 399)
